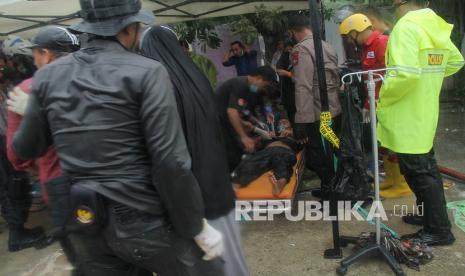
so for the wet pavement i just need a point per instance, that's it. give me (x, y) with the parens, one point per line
(281, 247)
(450, 137)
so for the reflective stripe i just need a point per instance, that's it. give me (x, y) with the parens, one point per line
(433, 70)
(419, 71)
(73, 38)
(456, 64)
(412, 70)
(402, 67)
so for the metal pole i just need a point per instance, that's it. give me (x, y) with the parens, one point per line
(320, 69)
(319, 57)
(371, 94)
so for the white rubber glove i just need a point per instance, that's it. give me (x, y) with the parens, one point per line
(17, 101)
(210, 241)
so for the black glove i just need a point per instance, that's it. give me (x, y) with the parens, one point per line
(301, 131)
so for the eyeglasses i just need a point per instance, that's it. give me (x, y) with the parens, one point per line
(397, 5)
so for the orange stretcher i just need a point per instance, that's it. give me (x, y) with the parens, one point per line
(261, 189)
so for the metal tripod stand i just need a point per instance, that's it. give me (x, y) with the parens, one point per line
(376, 249)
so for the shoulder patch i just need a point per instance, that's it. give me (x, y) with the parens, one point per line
(435, 59)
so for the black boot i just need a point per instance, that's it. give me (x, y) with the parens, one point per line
(22, 238)
(418, 216)
(432, 239)
(422, 174)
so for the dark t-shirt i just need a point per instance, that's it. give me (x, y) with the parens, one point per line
(234, 93)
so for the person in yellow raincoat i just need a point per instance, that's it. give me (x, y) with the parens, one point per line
(421, 51)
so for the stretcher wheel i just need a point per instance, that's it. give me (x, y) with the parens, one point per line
(341, 271)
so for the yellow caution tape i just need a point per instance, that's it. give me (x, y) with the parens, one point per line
(326, 130)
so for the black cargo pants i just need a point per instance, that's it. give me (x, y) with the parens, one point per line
(15, 197)
(319, 159)
(422, 175)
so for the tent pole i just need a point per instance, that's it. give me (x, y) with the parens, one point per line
(374, 140)
(335, 252)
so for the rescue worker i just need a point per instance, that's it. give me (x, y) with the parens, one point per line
(234, 97)
(421, 50)
(359, 29)
(15, 188)
(307, 99)
(373, 44)
(112, 116)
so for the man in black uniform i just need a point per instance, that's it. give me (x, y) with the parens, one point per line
(235, 96)
(112, 117)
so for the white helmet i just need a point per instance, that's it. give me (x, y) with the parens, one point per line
(15, 45)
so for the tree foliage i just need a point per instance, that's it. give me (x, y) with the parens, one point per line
(201, 31)
(272, 24)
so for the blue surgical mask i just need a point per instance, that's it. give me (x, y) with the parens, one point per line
(253, 88)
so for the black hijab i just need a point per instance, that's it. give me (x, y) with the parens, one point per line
(199, 117)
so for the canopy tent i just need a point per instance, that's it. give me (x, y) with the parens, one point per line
(22, 17)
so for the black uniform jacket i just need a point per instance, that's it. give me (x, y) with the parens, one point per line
(112, 116)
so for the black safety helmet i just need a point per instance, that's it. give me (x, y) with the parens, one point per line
(109, 17)
(55, 38)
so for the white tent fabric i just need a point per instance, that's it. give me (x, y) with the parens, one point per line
(23, 17)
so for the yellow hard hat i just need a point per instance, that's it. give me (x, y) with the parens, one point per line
(356, 22)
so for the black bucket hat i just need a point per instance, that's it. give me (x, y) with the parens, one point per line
(55, 38)
(109, 17)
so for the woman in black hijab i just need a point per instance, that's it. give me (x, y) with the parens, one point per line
(198, 113)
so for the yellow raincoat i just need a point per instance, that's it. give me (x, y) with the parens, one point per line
(421, 50)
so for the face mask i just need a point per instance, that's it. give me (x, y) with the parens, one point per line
(253, 88)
